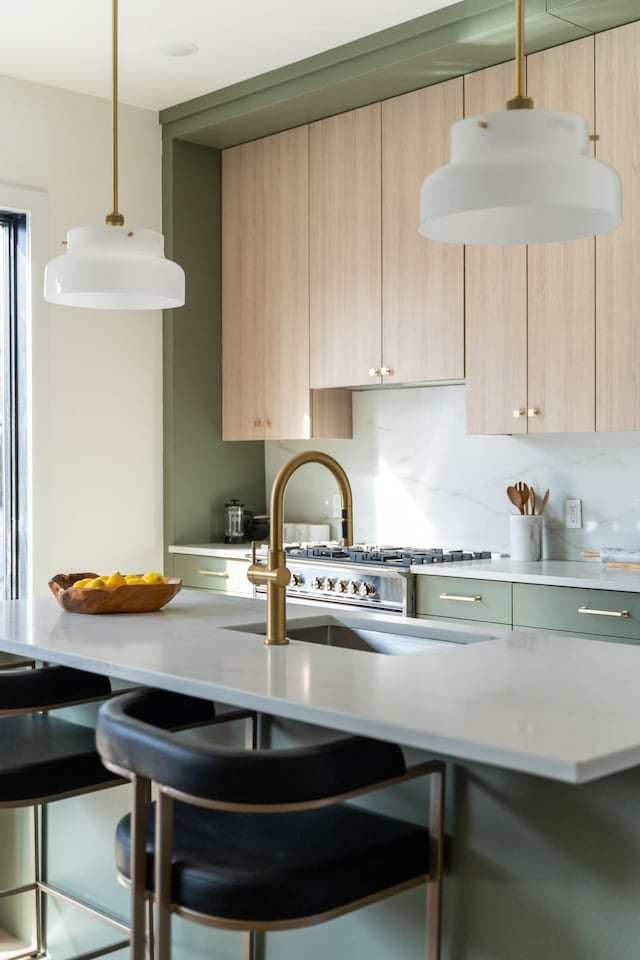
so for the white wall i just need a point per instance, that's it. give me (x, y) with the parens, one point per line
(418, 479)
(98, 464)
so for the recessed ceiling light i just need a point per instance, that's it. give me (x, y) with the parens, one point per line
(177, 48)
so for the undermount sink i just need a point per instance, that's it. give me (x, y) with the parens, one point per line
(385, 638)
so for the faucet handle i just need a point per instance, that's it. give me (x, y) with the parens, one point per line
(254, 548)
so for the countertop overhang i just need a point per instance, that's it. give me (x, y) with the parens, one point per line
(558, 707)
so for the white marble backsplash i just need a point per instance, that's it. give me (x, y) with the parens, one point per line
(419, 480)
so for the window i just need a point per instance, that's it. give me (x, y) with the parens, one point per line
(13, 420)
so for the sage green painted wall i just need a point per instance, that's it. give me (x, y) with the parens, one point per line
(201, 471)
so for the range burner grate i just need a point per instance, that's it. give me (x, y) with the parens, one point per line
(403, 557)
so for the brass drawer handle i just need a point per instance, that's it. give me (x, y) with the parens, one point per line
(518, 413)
(605, 613)
(453, 596)
(375, 372)
(533, 412)
(213, 573)
(386, 372)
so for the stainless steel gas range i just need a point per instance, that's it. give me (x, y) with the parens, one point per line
(362, 576)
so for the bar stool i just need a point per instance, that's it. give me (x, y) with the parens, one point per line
(263, 840)
(45, 758)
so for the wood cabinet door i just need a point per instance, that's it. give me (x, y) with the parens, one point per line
(422, 280)
(242, 295)
(345, 242)
(496, 300)
(284, 174)
(561, 281)
(618, 252)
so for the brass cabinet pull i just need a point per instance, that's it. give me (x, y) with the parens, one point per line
(386, 372)
(375, 372)
(267, 422)
(453, 596)
(533, 412)
(518, 413)
(604, 613)
(258, 423)
(214, 573)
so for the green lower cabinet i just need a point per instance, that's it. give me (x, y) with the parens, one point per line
(458, 598)
(213, 573)
(595, 614)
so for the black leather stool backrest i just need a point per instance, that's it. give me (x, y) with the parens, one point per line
(26, 689)
(127, 741)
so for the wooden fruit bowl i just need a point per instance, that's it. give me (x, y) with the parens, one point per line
(134, 598)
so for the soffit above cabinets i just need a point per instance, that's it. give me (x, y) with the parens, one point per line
(456, 40)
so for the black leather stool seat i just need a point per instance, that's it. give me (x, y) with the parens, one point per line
(259, 867)
(43, 756)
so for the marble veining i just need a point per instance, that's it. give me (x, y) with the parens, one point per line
(418, 479)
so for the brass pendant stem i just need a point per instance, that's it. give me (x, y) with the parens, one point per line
(521, 101)
(114, 219)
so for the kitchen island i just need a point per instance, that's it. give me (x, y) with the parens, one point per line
(543, 862)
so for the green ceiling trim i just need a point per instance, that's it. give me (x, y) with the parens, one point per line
(460, 39)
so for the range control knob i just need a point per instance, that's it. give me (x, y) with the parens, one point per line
(317, 583)
(367, 590)
(353, 587)
(341, 586)
(297, 579)
(330, 583)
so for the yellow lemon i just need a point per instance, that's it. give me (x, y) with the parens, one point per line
(153, 578)
(132, 580)
(82, 583)
(95, 584)
(115, 580)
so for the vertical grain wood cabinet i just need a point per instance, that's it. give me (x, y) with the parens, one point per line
(422, 280)
(345, 245)
(530, 311)
(496, 301)
(387, 306)
(265, 296)
(618, 252)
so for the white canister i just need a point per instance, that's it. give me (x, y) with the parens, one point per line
(526, 537)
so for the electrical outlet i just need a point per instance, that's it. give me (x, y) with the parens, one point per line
(337, 506)
(573, 514)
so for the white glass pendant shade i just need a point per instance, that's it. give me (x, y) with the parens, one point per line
(520, 176)
(114, 268)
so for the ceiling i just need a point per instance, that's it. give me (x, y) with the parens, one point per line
(236, 40)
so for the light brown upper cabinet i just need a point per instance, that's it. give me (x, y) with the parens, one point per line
(530, 311)
(422, 280)
(345, 244)
(265, 297)
(618, 252)
(496, 301)
(561, 281)
(387, 306)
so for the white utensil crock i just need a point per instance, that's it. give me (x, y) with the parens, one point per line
(526, 537)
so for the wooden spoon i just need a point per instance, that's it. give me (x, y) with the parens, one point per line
(532, 501)
(544, 503)
(524, 494)
(515, 498)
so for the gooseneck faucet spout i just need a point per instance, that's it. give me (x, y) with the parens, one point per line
(275, 573)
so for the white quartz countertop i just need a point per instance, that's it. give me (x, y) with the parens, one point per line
(559, 573)
(559, 707)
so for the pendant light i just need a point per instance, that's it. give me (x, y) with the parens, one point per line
(520, 176)
(113, 267)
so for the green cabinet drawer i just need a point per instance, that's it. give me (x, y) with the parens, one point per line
(213, 573)
(463, 599)
(602, 613)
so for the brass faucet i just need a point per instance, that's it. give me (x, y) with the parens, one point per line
(275, 572)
